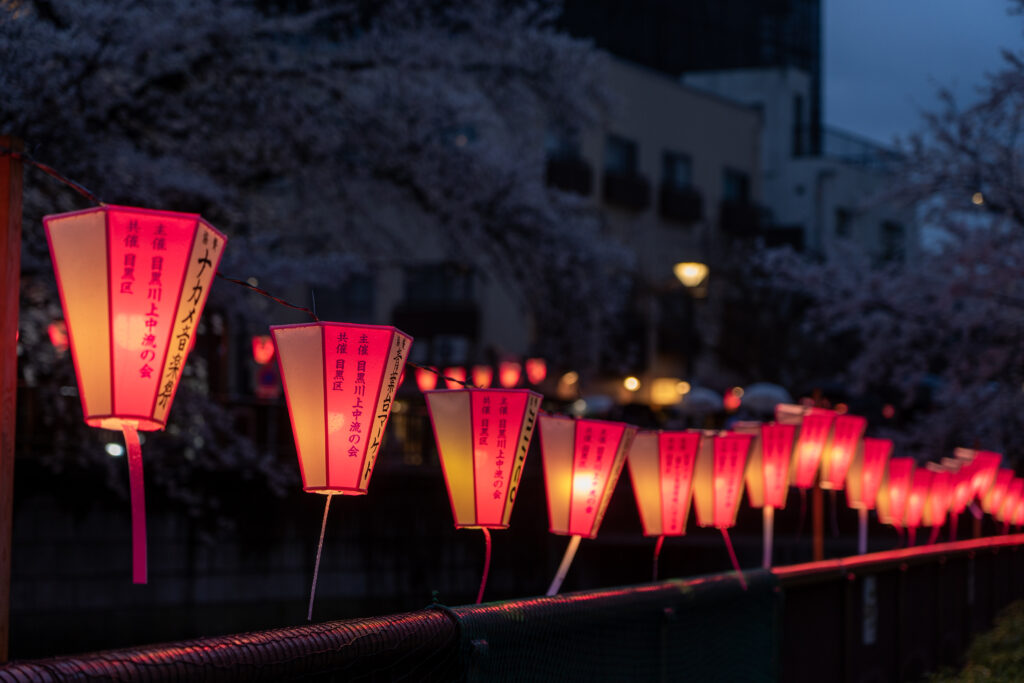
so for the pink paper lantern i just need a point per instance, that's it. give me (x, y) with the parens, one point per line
(993, 499)
(582, 462)
(509, 373)
(815, 428)
(536, 370)
(426, 379)
(482, 439)
(262, 349)
(916, 499)
(661, 466)
(483, 375)
(867, 473)
(455, 377)
(1008, 508)
(340, 381)
(58, 333)
(777, 442)
(847, 431)
(892, 500)
(940, 494)
(719, 488)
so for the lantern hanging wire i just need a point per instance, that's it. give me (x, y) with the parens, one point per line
(563, 568)
(657, 553)
(316, 564)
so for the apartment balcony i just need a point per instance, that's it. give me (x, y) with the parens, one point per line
(627, 190)
(739, 218)
(680, 204)
(571, 174)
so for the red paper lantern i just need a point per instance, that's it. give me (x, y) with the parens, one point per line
(847, 431)
(455, 377)
(815, 428)
(992, 500)
(661, 466)
(1008, 508)
(536, 370)
(509, 373)
(340, 382)
(133, 283)
(582, 462)
(718, 481)
(262, 349)
(867, 472)
(985, 465)
(482, 438)
(940, 493)
(426, 379)
(771, 478)
(961, 490)
(892, 499)
(483, 375)
(58, 333)
(916, 498)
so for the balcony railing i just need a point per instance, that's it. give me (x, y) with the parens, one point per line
(681, 204)
(627, 190)
(571, 174)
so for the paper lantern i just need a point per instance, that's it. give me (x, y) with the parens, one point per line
(509, 374)
(940, 493)
(847, 431)
(262, 349)
(993, 499)
(133, 283)
(866, 473)
(916, 498)
(582, 462)
(815, 428)
(718, 479)
(482, 438)
(340, 381)
(455, 377)
(661, 468)
(1008, 508)
(426, 378)
(536, 370)
(892, 498)
(767, 478)
(483, 375)
(58, 333)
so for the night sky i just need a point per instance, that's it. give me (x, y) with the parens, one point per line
(885, 59)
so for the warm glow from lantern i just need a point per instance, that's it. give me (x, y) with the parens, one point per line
(582, 462)
(340, 382)
(509, 373)
(262, 349)
(731, 401)
(718, 478)
(940, 492)
(892, 499)
(631, 383)
(994, 498)
(58, 333)
(985, 465)
(133, 283)
(866, 473)
(1010, 501)
(483, 375)
(661, 468)
(691, 273)
(916, 498)
(536, 370)
(664, 392)
(776, 453)
(961, 490)
(482, 437)
(426, 378)
(815, 428)
(683, 388)
(455, 377)
(847, 431)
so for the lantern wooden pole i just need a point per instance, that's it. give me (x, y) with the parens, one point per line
(862, 531)
(316, 564)
(818, 521)
(137, 492)
(10, 275)
(487, 564)
(769, 535)
(563, 569)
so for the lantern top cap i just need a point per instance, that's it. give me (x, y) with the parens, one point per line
(572, 418)
(329, 323)
(491, 390)
(108, 208)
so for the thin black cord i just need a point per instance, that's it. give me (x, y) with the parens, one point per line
(52, 172)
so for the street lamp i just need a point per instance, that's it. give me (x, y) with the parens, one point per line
(692, 274)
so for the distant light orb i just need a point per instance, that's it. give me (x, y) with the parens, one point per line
(114, 450)
(978, 199)
(683, 388)
(631, 383)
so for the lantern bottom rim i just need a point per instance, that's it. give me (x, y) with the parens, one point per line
(324, 491)
(496, 527)
(117, 423)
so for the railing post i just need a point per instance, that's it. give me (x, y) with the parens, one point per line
(10, 278)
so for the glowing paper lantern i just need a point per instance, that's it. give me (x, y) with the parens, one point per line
(340, 382)
(509, 373)
(718, 484)
(992, 500)
(455, 377)
(262, 349)
(847, 431)
(58, 333)
(426, 379)
(984, 467)
(767, 478)
(815, 427)
(133, 283)
(863, 481)
(916, 498)
(661, 469)
(940, 493)
(892, 498)
(1008, 508)
(582, 462)
(536, 370)
(483, 375)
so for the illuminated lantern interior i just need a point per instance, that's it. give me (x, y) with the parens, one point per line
(426, 379)
(483, 375)
(482, 439)
(815, 427)
(866, 473)
(509, 373)
(58, 333)
(536, 370)
(994, 498)
(940, 493)
(718, 478)
(776, 454)
(847, 431)
(892, 499)
(133, 283)
(961, 489)
(262, 349)
(1010, 501)
(455, 377)
(661, 468)
(985, 467)
(340, 382)
(916, 498)
(582, 462)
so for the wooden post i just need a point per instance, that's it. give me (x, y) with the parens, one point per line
(818, 513)
(10, 278)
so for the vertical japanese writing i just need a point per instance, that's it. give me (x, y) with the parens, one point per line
(393, 372)
(529, 420)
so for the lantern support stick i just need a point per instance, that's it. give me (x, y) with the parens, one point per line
(137, 488)
(487, 564)
(911, 536)
(833, 513)
(319, 549)
(657, 554)
(732, 556)
(862, 531)
(563, 569)
(934, 536)
(818, 523)
(953, 519)
(803, 513)
(769, 535)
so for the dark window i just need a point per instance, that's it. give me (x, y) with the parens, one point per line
(735, 186)
(353, 301)
(562, 143)
(676, 170)
(438, 284)
(893, 237)
(799, 127)
(844, 218)
(620, 155)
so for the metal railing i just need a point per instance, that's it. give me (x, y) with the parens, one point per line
(878, 617)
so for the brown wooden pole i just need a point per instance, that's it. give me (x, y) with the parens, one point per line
(10, 277)
(818, 515)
